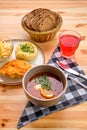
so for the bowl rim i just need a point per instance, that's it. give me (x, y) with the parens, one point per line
(44, 100)
(37, 32)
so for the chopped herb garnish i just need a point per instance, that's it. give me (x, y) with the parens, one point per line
(27, 48)
(44, 81)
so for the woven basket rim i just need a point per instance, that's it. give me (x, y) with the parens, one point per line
(37, 32)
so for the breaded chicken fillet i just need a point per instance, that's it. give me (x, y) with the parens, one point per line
(15, 68)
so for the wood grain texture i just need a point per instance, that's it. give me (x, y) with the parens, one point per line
(12, 98)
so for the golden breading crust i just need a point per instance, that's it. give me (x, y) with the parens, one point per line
(15, 68)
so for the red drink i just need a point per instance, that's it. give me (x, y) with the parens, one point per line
(68, 44)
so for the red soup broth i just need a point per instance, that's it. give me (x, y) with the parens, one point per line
(69, 44)
(56, 85)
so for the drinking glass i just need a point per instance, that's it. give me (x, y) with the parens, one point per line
(69, 41)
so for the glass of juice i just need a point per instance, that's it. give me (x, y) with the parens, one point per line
(69, 41)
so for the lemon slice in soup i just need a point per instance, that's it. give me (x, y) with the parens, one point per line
(46, 93)
(26, 51)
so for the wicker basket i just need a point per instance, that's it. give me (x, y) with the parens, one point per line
(42, 36)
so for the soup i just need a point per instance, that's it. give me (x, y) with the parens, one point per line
(44, 85)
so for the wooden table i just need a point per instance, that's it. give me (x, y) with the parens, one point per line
(12, 98)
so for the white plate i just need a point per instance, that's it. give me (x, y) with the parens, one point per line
(37, 61)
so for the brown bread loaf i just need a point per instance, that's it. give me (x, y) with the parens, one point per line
(41, 20)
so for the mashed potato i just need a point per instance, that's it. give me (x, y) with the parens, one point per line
(26, 51)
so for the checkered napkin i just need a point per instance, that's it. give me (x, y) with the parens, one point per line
(74, 95)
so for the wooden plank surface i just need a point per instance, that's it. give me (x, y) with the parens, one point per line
(12, 98)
